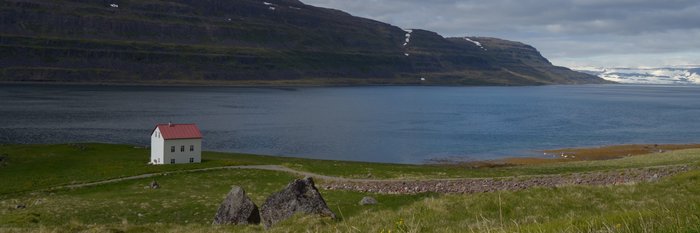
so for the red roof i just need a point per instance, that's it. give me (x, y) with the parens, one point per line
(179, 131)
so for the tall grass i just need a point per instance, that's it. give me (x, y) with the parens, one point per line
(670, 205)
(187, 201)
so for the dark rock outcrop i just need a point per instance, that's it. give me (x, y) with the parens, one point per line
(300, 196)
(368, 201)
(237, 209)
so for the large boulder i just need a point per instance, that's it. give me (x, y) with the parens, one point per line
(300, 196)
(237, 209)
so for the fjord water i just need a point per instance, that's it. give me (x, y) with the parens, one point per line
(379, 124)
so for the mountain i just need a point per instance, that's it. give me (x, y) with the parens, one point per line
(248, 42)
(689, 75)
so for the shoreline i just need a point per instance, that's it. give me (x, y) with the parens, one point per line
(564, 155)
(550, 156)
(274, 84)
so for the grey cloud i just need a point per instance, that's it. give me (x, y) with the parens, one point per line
(557, 27)
(650, 43)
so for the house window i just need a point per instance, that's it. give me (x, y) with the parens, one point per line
(191, 160)
(172, 149)
(172, 161)
(191, 147)
(182, 148)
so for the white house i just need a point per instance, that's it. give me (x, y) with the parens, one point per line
(176, 143)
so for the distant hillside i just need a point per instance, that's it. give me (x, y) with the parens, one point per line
(247, 42)
(660, 75)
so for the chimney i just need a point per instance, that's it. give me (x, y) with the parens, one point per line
(170, 124)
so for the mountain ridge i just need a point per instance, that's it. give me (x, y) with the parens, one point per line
(248, 42)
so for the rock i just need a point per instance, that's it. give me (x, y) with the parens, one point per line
(368, 201)
(237, 209)
(80, 147)
(3, 159)
(154, 185)
(300, 196)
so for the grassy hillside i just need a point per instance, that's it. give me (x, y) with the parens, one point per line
(187, 201)
(36, 167)
(245, 42)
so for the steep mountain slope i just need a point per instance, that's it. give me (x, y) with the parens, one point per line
(244, 42)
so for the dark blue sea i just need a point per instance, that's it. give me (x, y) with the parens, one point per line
(378, 124)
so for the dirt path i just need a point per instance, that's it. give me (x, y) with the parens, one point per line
(455, 185)
(115, 180)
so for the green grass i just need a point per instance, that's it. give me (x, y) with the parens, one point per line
(184, 199)
(187, 201)
(42, 166)
(34, 167)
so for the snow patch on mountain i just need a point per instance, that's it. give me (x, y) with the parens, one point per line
(408, 36)
(477, 43)
(647, 75)
(271, 6)
(408, 40)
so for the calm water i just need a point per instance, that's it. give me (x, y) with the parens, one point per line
(384, 124)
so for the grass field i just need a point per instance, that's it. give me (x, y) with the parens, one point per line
(188, 201)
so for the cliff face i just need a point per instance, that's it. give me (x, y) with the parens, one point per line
(247, 41)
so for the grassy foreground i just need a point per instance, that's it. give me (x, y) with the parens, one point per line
(187, 201)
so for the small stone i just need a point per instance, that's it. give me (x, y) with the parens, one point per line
(3, 159)
(154, 185)
(368, 201)
(237, 209)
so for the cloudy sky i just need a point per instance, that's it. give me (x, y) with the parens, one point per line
(574, 33)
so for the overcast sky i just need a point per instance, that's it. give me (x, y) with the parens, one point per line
(574, 33)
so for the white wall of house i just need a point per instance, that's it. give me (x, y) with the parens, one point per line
(179, 155)
(157, 147)
(181, 150)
